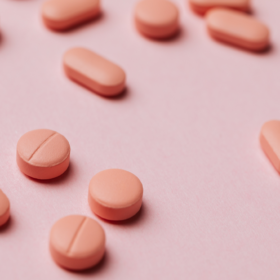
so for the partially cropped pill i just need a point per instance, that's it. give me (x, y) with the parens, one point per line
(94, 72)
(64, 14)
(115, 194)
(202, 6)
(157, 19)
(43, 154)
(77, 242)
(4, 208)
(237, 28)
(270, 142)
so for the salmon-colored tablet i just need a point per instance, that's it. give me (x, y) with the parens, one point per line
(64, 14)
(238, 29)
(202, 6)
(77, 242)
(43, 154)
(94, 72)
(115, 194)
(270, 142)
(4, 208)
(157, 19)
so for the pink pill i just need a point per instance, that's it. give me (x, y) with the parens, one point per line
(202, 6)
(270, 142)
(238, 29)
(77, 242)
(157, 18)
(115, 194)
(4, 208)
(64, 14)
(43, 154)
(94, 72)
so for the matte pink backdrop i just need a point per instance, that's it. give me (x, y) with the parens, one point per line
(187, 126)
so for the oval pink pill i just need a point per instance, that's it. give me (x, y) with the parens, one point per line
(157, 18)
(43, 154)
(115, 194)
(94, 72)
(202, 6)
(238, 29)
(4, 208)
(64, 14)
(77, 242)
(270, 142)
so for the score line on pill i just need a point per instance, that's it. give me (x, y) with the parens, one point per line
(77, 242)
(43, 154)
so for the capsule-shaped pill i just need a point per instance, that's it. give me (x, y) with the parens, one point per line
(64, 14)
(202, 6)
(237, 28)
(94, 72)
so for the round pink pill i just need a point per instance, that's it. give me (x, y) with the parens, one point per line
(43, 154)
(158, 19)
(77, 242)
(4, 208)
(115, 194)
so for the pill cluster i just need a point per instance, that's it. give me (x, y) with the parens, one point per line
(78, 242)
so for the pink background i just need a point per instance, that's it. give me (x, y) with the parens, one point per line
(187, 126)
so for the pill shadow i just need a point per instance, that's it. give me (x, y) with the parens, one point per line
(173, 38)
(136, 219)
(269, 49)
(121, 96)
(79, 26)
(7, 226)
(96, 269)
(67, 175)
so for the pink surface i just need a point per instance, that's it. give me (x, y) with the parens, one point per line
(188, 127)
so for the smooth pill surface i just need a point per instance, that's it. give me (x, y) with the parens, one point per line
(4, 208)
(238, 29)
(94, 72)
(64, 14)
(43, 154)
(202, 6)
(270, 142)
(115, 194)
(157, 19)
(77, 242)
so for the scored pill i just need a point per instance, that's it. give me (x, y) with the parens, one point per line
(43, 154)
(77, 242)
(237, 28)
